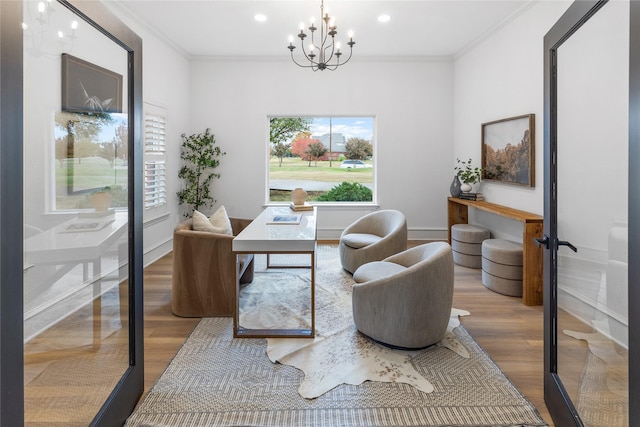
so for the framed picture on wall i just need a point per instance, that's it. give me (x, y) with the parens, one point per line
(508, 150)
(88, 88)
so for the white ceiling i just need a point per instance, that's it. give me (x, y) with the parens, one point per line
(417, 28)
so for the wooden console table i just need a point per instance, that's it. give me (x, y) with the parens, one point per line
(532, 285)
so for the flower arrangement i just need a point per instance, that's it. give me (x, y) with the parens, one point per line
(466, 172)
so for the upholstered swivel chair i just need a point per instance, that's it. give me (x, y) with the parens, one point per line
(204, 271)
(405, 300)
(373, 237)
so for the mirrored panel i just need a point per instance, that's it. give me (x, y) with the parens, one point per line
(76, 341)
(592, 194)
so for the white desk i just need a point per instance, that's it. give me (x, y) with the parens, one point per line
(60, 246)
(262, 237)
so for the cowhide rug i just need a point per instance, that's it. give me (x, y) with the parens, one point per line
(338, 354)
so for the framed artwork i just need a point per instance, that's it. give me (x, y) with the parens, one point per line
(88, 88)
(508, 150)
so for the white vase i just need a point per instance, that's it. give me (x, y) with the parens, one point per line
(466, 187)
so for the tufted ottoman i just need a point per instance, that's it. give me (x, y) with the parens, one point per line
(466, 242)
(502, 266)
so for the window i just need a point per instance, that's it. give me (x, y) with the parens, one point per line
(90, 155)
(332, 158)
(155, 183)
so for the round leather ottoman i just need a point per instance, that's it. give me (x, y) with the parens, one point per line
(502, 266)
(466, 243)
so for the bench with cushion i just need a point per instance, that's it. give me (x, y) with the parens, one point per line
(466, 243)
(502, 266)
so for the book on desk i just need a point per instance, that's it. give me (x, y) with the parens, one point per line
(284, 219)
(471, 196)
(301, 208)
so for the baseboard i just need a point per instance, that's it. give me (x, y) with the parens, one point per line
(157, 252)
(419, 234)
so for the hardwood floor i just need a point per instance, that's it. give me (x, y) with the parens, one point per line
(74, 350)
(510, 332)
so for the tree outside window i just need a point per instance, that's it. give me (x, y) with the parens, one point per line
(332, 158)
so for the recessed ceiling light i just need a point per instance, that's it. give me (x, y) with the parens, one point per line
(384, 18)
(260, 17)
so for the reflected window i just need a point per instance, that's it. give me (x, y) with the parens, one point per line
(90, 157)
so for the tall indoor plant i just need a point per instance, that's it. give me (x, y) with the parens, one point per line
(200, 156)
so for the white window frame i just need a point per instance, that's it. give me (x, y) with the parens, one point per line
(155, 154)
(374, 201)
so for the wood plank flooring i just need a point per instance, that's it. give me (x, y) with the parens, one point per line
(510, 332)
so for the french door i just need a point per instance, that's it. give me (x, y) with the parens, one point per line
(590, 211)
(71, 277)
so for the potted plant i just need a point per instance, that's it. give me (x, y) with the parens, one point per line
(468, 174)
(200, 156)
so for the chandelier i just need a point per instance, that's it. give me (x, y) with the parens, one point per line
(325, 55)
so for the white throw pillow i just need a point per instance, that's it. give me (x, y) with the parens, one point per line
(220, 222)
(217, 223)
(201, 222)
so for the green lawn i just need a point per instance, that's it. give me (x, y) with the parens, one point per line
(97, 172)
(294, 168)
(89, 173)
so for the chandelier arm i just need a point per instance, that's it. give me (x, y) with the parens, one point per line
(347, 60)
(335, 66)
(304, 52)
(313, 64)
(332, 46)
(318, 48)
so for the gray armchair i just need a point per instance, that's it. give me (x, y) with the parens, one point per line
(405, 300)
(372, 237)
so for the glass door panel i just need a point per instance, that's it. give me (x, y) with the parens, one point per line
(591, 202)
(76, 167)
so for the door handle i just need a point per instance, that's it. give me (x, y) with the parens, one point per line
(565, 243)
(544, 241)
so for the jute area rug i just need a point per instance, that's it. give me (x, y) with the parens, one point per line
(216, 380)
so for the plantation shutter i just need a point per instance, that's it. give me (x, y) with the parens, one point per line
(155, 174)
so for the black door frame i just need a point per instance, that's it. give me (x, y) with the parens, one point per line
(130, 387)
(558, 401)
(11, 216)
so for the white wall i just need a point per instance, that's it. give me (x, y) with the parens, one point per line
(411, 100)
(165, 84)
(426, 111)
(498, 78)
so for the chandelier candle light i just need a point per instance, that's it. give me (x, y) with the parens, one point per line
(328, 56)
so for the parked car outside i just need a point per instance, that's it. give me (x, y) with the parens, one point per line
(354, 164)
